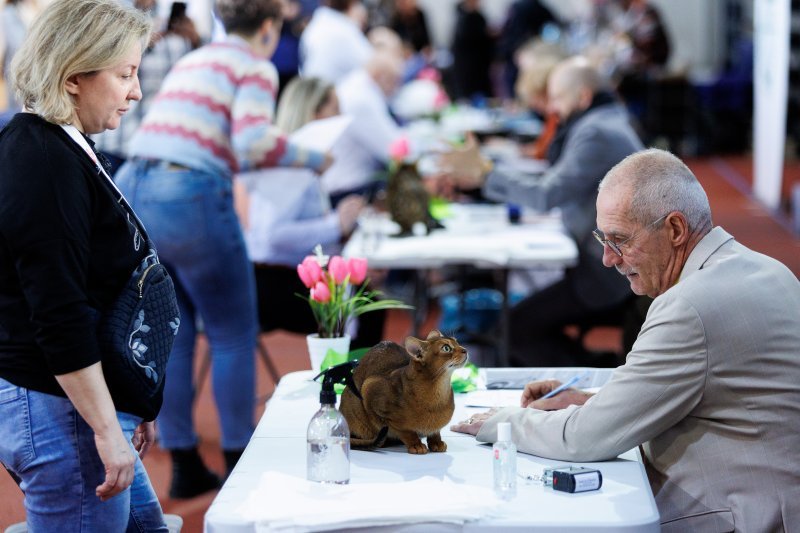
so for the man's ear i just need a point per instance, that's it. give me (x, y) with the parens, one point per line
(585, 98)
(72, 84)
(678, 228)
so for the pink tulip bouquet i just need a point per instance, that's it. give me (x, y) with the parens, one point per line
(338, 292)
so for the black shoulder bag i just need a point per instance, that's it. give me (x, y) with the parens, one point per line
(136, 332)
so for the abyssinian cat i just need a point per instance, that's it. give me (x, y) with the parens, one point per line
(405, 393)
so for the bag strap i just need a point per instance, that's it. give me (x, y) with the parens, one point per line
(80, 140)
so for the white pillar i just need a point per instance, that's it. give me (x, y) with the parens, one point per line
(771, 80)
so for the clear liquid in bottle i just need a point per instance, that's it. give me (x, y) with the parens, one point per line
(504, 461)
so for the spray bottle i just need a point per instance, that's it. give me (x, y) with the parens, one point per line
(328, 436)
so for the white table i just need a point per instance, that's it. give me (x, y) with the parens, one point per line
(624, 503)
(477, 235)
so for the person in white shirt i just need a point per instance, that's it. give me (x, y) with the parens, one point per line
(333, 44)
(285, 213)
(364, 150)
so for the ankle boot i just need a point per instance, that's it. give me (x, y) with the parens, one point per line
(190, 477)
(231, 458)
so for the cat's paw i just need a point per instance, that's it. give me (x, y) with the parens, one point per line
(418, 449)
(437, 446)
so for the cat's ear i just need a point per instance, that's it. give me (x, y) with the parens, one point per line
(415, 347)
(434, 334)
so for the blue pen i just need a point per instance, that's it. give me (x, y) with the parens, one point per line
(564, 386)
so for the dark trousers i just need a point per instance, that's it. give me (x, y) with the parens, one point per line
(537, 336)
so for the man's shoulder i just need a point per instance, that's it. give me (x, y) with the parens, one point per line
(736, 279)
(611, 114)
(609, 125)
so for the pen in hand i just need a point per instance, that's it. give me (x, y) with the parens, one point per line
(564, 386)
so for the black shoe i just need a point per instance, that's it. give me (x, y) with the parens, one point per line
(190, 477)
(231, 458)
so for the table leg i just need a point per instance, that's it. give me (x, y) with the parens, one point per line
(420, 302)
(503, 357)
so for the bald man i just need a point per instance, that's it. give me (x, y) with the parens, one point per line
(594, 135)
(364, 149)
(710, 389)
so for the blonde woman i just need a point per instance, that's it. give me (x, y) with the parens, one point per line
(288, 213)
(67, 249)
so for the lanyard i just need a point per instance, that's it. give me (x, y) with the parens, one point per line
(80, 140)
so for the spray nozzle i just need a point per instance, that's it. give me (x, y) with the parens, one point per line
(342, 373)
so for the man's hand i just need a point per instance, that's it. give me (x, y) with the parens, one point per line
(143, 437)
(531, 396)
(466, 167)
(473, 424)
(118, 460)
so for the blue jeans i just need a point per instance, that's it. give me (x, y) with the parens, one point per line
(189, 215)
(47, 444)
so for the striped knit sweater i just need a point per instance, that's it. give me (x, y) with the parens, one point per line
(214, 113)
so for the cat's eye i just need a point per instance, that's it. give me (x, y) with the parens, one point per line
(446, 348)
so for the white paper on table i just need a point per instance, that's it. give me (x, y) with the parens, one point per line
(287, 503)
(494, 398)
(513, 378)
(321, 135)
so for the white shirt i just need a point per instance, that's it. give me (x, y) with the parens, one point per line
(288, 214)
(364, 148)
(332, 45)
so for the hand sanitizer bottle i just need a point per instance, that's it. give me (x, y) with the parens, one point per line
(504, 459)
(328, 439)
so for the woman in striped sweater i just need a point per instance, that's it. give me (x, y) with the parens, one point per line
(211, 119)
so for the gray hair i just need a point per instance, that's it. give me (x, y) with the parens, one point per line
(660, 183)
(577, 73)
(72, 37)
(300, 102)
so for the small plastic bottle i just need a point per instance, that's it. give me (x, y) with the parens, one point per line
(504, 460)
(328, 440)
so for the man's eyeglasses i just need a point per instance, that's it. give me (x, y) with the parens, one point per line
(616, 247)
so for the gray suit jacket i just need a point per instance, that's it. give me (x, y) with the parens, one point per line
(594, 144)
(711, 389)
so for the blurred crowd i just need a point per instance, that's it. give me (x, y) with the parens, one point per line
(210, 158)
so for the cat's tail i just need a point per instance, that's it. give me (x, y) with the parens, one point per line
(377, 442)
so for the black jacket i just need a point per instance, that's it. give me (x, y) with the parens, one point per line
(66, 250)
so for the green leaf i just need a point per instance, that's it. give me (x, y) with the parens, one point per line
(465, 379)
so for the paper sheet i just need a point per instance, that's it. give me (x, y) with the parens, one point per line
(321, 135)
(512, 378)
(281, 503)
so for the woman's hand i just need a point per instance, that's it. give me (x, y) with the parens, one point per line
(86, 388)
(348, 210)
(143, 437)
(118, 460)
(473, 424)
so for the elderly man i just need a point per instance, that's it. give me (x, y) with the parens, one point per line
(594, 135)
(363, 151)
(710, 388)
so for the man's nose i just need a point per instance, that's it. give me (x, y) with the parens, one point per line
(610, 258)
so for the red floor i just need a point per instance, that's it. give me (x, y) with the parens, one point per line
(733, 209)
